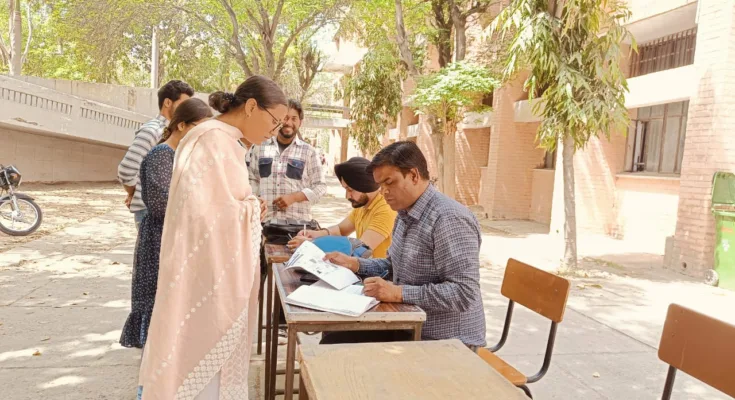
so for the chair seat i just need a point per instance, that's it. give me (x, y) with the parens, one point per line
(511, 374)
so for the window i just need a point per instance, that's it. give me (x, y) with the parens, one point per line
(656, 140)
(666, 53)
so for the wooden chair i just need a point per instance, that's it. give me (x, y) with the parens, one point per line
(542, 292)
(699, 345)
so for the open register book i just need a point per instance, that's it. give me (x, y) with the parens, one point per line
(319, 296)
(310, 258)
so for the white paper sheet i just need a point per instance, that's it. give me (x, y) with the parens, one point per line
(330, 300)
(352, 289)
(310, 258)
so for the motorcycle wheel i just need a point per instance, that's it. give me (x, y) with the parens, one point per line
(8, 217)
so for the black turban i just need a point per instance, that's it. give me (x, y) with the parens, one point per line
(354, 173)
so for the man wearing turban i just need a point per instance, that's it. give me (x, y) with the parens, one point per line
(371, 219)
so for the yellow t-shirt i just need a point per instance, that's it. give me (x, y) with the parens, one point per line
(377, 216)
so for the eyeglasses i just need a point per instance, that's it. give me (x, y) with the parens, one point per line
(279, 125)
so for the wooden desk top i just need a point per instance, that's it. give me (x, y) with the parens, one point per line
(428, 370)
(287, 281)
(277, 253)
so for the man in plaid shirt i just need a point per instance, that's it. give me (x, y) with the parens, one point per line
(434, 258)
(285, 171)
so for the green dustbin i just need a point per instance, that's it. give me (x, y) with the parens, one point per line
(723, 208)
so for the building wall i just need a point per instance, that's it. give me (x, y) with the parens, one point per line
(643, 9)
(646, 209)
(542, 192)
(708, 146)
(472, 147)
(595, 169)
(49, 159)
(507, 181)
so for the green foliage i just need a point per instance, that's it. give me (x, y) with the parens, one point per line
(576, 58)
(109, 41)
(453, 90)
(375, 93)
(372, 24)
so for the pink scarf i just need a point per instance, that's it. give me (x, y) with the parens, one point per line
(204, 316)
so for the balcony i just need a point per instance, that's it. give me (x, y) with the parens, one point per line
(665, 53)
(647, 9)
(657, 88)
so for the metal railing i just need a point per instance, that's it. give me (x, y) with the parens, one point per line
(668, 52)
(317, 110)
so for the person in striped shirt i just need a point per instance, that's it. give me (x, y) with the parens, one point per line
(170, 96)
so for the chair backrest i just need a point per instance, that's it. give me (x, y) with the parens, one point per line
(701, 346)
(537, 290)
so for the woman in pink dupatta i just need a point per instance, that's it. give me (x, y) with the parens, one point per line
(205, 310)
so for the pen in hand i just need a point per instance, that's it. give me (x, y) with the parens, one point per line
(383, 275)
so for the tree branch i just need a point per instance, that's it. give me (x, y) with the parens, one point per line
(235, 39)
(402, 38)
(30, 34)
(295, 34)
(253, 18)
(202, 20)
(267, 37)
(479, 7)
(4, 53)
(276, 18)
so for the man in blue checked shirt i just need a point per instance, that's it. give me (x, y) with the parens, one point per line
(434, 259)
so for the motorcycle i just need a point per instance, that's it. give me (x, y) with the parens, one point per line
(19, 214)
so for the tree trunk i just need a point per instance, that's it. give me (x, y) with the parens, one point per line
(345, 140)
(437, 139)
(16, 38)
(402, 38)
(449, 159)
(460, 45)
(460, 31)
(569, 262)
(155, 57)
(443, 24)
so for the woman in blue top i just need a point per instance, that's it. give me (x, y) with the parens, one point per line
(155, 179)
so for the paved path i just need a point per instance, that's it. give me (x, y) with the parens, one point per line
(65, 298)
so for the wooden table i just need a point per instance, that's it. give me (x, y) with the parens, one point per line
(386, 316)
(440, 370)
(274, 253)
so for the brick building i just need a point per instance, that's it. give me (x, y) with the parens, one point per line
(651, 184)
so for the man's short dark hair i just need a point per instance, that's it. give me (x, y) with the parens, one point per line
(296, 105)
(173, 91)
(404, 155)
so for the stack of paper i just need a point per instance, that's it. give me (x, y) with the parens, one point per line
(343, 302)
(310, 258)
